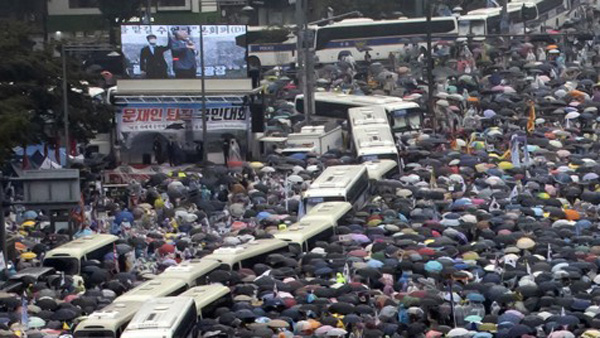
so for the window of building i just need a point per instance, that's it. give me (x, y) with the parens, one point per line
(83, 3)
(172, 3)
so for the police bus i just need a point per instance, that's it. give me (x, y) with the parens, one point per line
(70, 256)
(403, 116)
(269, 47)
(344, 183)
(167, 317)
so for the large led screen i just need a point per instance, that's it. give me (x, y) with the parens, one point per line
(175, 52)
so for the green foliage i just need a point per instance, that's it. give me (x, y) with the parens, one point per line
(373, 9)
(31, 94)
(117, 12)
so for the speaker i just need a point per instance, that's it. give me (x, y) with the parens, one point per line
(258, 117)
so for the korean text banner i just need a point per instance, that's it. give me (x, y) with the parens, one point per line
(172, 117)
(174, 52)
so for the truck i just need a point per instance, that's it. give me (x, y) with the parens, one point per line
(314, 139)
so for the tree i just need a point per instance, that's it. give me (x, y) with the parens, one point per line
(31, 96)
(117, 12)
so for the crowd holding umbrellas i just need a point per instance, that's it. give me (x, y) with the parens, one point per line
(489, 228)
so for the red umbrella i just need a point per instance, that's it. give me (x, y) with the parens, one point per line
(166, 249)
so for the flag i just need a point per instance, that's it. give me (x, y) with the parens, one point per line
(78, 213)
(549, 257)
(528, 269)
(115, 257)
(514, 193)
(531, 119)
(347, 272)
(24, 314)
(275, 291)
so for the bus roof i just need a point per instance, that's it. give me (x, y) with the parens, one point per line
(367, 116)
(111, 317)
(79, 247)
(160, 313)
(335, 180)
(367, 21)
(206, 294)
(304, 230)
(331, 211)
(189, 271)
(152, 289)
(357, 100)
(374, 139)
(233, 255)
(378, 169)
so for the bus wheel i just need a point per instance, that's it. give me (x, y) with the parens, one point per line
(254, 62)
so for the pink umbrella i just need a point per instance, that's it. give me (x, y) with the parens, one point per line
(322, 331)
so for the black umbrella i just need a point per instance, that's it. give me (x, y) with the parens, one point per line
(64, 315)
(342, 308)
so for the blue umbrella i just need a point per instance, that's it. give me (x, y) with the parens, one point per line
(374, 263)
(30, 215)
(124, 216)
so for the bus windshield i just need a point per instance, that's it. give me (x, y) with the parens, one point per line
(68, 265)
(313, 201)
(472, 27)
(404, 119)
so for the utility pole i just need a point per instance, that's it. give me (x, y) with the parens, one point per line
(430, 106)
(204, 114)
(299, 43)
(2, 221)
(306, 58)
(65, 105)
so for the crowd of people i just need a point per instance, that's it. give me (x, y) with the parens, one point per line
(489, 228)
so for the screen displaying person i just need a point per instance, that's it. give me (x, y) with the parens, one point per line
(183, 50)
(152, 59)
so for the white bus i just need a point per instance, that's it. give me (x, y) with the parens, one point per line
(381, 169)
(403, 116)
(318, 224)
(367, 116)
(110, 322)
(554, 13)
(305, 233)
(267, 47)
(345, 183)
(152, 289)
(354, 36)
(486, 21)
(247, 254)
(69, 256)
(333, 212)
(193, 272)
(168, 317)
(208, 298)
(374, 142)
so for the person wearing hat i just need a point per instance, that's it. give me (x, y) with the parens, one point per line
(152, 59)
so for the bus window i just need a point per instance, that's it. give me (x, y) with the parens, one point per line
(68, 265)
(414, 121)
(399, 119)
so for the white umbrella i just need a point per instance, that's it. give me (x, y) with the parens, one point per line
(572, 115)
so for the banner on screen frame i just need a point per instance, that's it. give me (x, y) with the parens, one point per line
(156, 118)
